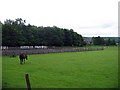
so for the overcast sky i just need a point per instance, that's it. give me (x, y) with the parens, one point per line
(86, 17)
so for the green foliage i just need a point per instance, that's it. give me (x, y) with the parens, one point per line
(16, 33)
(98, 40)
(110, 42)
(12, 33)
(101, 41)
(93, 69)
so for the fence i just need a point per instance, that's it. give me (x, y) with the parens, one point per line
(48, 50)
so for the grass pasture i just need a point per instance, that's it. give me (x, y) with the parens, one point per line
(92, 69)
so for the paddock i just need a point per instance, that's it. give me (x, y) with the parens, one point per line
(91, 69)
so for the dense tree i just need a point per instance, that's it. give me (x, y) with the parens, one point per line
(98, 40)
(16, 33)
(1, 33)
(12, 33)
(110, 42)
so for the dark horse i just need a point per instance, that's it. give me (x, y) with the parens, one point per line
(23, 57)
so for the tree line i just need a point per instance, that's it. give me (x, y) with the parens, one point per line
(17, 33)
(100, 41)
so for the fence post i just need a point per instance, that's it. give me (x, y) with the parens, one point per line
(27, 81)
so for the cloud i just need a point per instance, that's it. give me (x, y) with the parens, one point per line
(104, 30)
(106, 25)
(83, 16)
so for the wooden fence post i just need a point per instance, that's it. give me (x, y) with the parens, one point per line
(27, 81)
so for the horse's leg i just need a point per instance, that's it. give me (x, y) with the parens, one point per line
(24, 60)
(20, 61)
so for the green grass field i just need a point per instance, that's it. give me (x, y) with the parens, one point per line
(92, 69)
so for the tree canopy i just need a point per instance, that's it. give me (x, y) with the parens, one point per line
(100, 41)
(17, 33)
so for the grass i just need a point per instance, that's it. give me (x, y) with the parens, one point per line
(92, 69)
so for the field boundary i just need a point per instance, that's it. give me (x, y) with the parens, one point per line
(48, 50)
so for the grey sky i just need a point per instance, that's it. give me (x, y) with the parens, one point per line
(87, 17)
